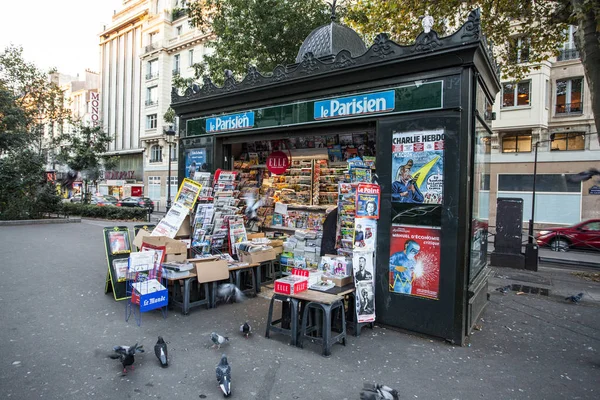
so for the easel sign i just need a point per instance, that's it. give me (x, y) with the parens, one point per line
(117, 245)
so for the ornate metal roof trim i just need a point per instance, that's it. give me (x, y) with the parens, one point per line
(382, 49)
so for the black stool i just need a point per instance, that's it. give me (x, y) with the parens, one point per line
(327, 340)
(278, 326)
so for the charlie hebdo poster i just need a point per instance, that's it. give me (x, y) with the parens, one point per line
(418, 167)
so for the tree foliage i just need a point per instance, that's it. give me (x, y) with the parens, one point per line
(263, 33)
(541, 22)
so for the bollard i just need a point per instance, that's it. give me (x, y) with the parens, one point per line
(149, 214)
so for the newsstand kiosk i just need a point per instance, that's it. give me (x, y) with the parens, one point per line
(425, 111)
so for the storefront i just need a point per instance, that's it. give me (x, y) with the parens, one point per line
(415, 116)
(125, 180)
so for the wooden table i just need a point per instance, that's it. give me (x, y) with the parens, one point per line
(186, 304)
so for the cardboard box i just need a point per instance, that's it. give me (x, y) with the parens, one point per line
(210, 269)
(291, 284)
(176, 250)
(278, 249)
(257, 256)
(255, 236)
(338, 281)
(185, 229)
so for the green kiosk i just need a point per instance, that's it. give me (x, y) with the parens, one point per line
(422, 113)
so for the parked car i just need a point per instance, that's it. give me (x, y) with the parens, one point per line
(95, 200)
(75, 199)
(584, 235)
(137, 202)
(111, 199)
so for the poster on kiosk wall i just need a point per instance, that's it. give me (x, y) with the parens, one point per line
(418, 167)
(415, 261)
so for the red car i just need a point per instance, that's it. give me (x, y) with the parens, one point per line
(584, 235)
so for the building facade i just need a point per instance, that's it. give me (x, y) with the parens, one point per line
(148, 42)
(550, 107)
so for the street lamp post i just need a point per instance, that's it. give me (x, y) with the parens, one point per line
(170, 133)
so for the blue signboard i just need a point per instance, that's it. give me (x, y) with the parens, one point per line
(154, 300)
(195, 160)
(232, 122)
(361, 104)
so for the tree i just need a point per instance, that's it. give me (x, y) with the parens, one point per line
(541, 23)
(263, 33)
(83, 151)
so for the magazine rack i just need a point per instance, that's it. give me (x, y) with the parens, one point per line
(146, 287)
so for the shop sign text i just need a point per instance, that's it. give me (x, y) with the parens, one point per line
(371, 103)
(278, 162)
(230, 122)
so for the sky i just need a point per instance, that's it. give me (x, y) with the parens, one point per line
(57, 33)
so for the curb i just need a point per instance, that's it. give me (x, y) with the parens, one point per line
(40, 221)
(578, 263)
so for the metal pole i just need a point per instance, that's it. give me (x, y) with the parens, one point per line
(531, 220)
(169, 180)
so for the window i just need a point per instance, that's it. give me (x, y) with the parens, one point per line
(568, 50)
(567, 141)
(515, 94)
(152, 69)
(548, 94)
(487, 143)
(152, 96)
(176, 64)
(151, 121)
(152, 37)
(569, 96)
(549, 183)
(174, 152)
(154, 187)
(156, 153)
(592, 226)
(516, 142)
(178, 30)
(191, 57)
(518, 50)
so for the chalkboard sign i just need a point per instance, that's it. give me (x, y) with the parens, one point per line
(137, 228)
(117, 245)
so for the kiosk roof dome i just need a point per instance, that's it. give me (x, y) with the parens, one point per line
(328, 40)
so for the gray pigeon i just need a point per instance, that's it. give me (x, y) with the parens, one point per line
(575, 298)
(126, 355)
(160, 349)
(246, 329)
(228, 291)
(504, 289)
(218, 340)
(378, 392)
(224, 376)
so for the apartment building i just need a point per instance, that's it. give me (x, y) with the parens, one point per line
(147, 43)
(550, 108)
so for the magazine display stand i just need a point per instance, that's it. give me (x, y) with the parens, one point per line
(146, 286)
(117, 246)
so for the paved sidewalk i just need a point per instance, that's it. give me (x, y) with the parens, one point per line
(58, 326)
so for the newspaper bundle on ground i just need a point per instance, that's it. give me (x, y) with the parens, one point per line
(170, 224)
(149, 286)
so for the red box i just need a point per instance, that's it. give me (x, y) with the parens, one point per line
(291, 284)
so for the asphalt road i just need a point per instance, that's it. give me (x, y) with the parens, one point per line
(58, 326)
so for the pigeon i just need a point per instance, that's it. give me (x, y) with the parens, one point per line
(378, 392)
(218, 340)
(228, 73)
(574, 299)
(125, 354)
(224, 376)
(246, 329)
(252, 205)
(504, 289)
(228, 291)
(583, 176)
(160, 349)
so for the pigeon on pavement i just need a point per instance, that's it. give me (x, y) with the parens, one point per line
(575, 298)
(126, 355)
(504, 289)
(246, 329)
(224, 376)
(228, 291)
(160, 349)
(218, 340)
(378, 392)
(583, 176)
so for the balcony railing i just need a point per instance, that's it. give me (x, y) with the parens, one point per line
(568, 54)
(570, 108)
(151, 75)
(151, 103)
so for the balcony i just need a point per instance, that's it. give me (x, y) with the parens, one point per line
(569, 108)
(151, 75)
(568, 54)
(178, 13)
(150, 103)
